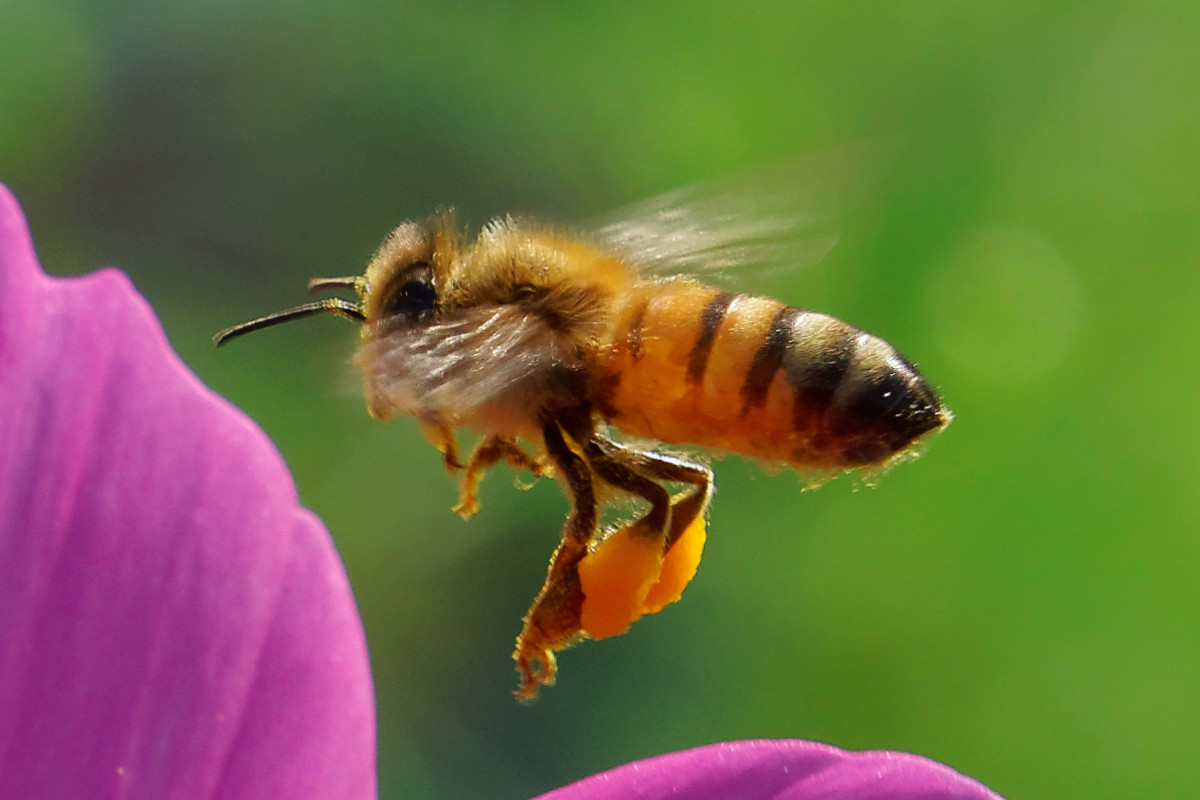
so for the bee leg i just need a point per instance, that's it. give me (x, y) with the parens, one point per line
(485, 456)
(684, 509)
(633, 570)
(553, 620)
(614, 468)
(643, 566)
(442, 437)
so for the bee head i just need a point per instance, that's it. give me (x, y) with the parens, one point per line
(403, 279)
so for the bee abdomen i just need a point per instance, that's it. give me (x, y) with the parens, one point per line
(691, 364)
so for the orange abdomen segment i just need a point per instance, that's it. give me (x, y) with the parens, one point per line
(692, 364)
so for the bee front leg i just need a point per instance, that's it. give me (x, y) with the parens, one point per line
(553, 620)
(441, 436)
(489, 451)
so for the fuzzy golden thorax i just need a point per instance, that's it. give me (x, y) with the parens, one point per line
(570, 285)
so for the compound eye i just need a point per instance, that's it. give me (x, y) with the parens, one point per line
(416, 297)
(525, 291)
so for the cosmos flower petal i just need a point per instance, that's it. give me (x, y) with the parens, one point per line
(172, 622)
(777, 770)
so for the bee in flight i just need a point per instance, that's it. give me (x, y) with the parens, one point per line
(542, 342)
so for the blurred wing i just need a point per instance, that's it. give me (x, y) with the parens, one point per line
(455, 366)
(780, 216)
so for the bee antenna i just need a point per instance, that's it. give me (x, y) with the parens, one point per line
(324, 284)
(332, 305)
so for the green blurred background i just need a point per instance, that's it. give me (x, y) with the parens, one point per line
(1021, 604)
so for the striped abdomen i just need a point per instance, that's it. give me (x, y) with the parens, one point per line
(750, 375)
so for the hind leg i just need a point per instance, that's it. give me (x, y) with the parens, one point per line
(645, 565)
(685, 508)
(552, 622)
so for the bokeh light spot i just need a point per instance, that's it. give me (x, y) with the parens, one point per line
(1005, 305)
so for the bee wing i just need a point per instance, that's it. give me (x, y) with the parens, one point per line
(456, 365)
(780, 216)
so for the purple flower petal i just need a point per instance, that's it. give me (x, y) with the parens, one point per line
(777, 770)
(172, 622)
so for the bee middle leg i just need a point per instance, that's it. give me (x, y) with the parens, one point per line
(486, 454)
(553, 621)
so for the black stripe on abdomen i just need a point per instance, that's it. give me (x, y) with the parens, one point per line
(710, 320)
(769, 358)
(816, 362)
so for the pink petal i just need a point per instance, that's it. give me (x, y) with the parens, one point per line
(777, 770)
(172, 622)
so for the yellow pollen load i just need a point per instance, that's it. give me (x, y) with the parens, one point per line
(678, 569)
(627, 576)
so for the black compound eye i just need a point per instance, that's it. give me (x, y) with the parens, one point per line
(525, 291)
(415, 299)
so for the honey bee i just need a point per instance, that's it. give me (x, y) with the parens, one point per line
(543, 342)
